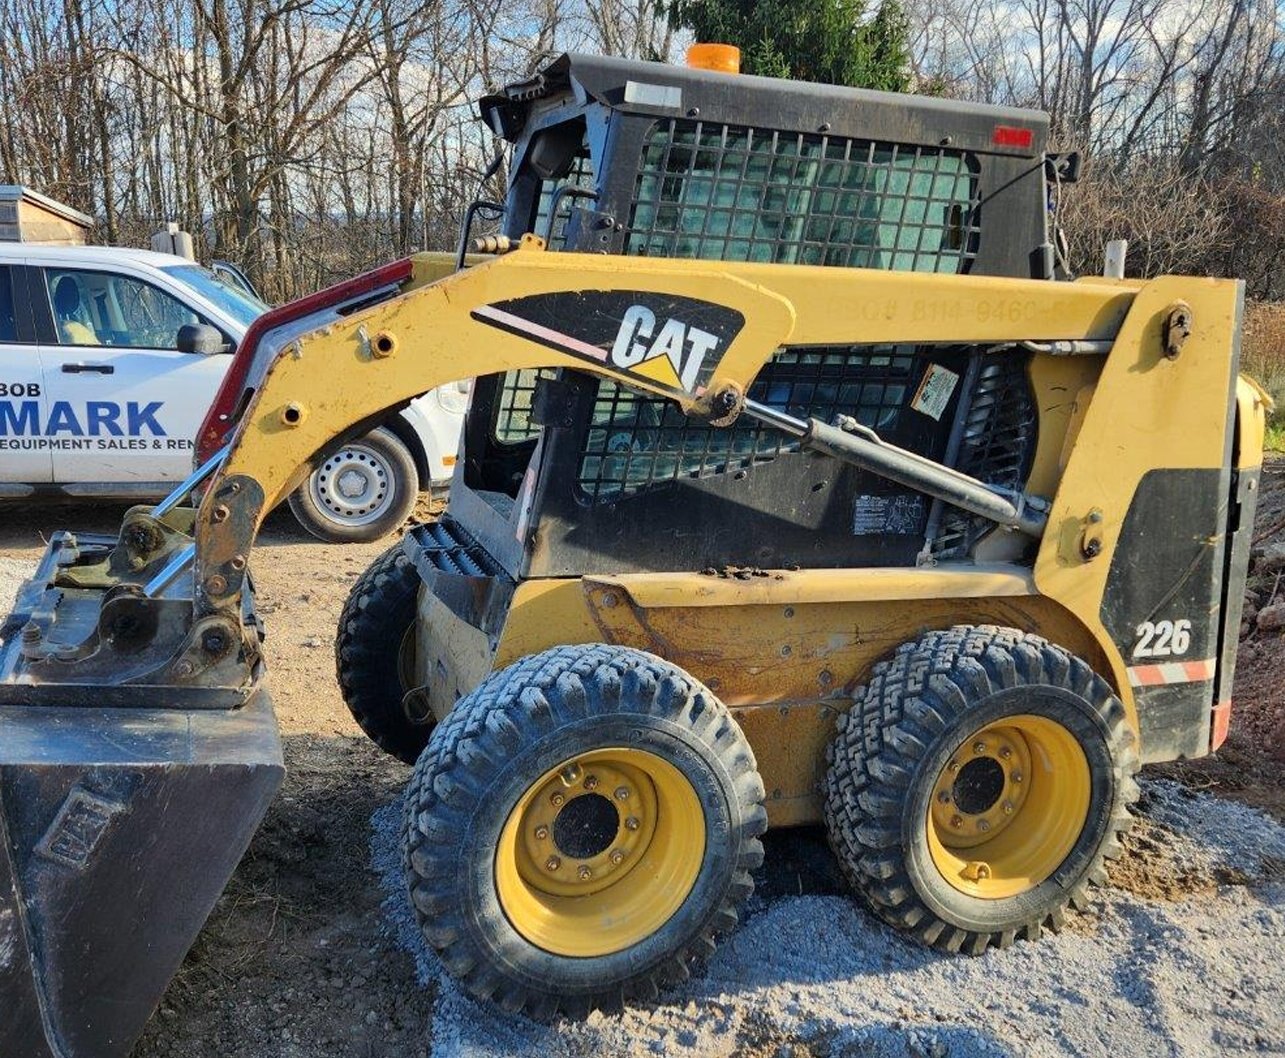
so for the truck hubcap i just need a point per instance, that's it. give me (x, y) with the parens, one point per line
(354, 486)
(1008, 806)
(600, 852)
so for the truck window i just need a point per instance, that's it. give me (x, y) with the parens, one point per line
(102, 308)
(726, 192)
(8, 317)
(241, 305)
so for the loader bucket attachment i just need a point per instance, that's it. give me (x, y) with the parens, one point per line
(130, 785)
(118, 830)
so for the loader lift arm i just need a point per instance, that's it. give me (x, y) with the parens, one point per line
(325, 384)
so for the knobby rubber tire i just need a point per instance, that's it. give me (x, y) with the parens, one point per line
(404, 482)
(379, 613)
(498, 740)
(907, 720)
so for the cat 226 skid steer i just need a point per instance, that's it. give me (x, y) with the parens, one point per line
(796, 486)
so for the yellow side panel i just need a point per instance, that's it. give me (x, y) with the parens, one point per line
(789, 744)
(1147, 412)
(544, 614)
(1062, 387)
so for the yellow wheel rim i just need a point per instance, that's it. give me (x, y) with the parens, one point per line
(600, 852)
(1008, 807)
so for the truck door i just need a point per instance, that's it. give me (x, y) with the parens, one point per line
(124, 402)
(24, 457)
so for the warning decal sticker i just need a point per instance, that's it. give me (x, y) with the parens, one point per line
(896, 515)
(935, 390)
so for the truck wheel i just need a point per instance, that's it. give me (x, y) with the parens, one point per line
(364, 491)
(375, 655)
(580, 829)
(977, 785)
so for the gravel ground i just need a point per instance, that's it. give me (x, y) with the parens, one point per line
(813, 976)
(13, 571)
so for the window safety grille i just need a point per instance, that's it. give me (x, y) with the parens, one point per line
(736, 193)
(1000, 430)
(636, 441)
(581, 175)
(513, 423)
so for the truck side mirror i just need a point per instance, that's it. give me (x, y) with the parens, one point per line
(201, 338)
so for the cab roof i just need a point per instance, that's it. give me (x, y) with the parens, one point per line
(666, 90)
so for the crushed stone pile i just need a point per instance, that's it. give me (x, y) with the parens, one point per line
(813, 976)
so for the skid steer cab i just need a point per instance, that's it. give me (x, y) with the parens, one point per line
(793, 488)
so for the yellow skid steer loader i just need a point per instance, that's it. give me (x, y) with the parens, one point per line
(797, 485)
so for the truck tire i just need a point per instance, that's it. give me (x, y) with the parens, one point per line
(580, 829)
(978, 784)
(375, 655)
(363, 491)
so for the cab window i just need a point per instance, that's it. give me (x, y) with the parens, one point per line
(102, 308)
(557, 158)
(735, 193)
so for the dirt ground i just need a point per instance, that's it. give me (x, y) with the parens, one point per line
(297, 958)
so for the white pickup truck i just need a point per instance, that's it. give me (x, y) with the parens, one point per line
(106, 372)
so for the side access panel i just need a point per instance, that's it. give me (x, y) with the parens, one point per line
(118, 830)
(1163, 603)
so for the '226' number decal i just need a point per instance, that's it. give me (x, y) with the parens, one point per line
(1163, 639)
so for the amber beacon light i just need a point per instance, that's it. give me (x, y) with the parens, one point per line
(725, 58)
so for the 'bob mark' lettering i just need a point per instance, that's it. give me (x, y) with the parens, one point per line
(99, 418)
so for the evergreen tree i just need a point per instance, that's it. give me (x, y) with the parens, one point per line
(830, 41)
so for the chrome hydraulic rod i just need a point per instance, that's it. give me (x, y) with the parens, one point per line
(862, 447)
(181, 560)
(191, 481)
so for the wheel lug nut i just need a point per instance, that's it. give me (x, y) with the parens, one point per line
(631, 823)
(953, 765)
(622, 793)
(541, 832)
(557, 800)
(1016, 776)
(617, 856)
(983, 826)
(956, 821)
(979, 746)
(944, 797)
(1005, 753)
(552, 863)
(571, 774)
(1008, 808)
(591, 782)
(584, 873)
